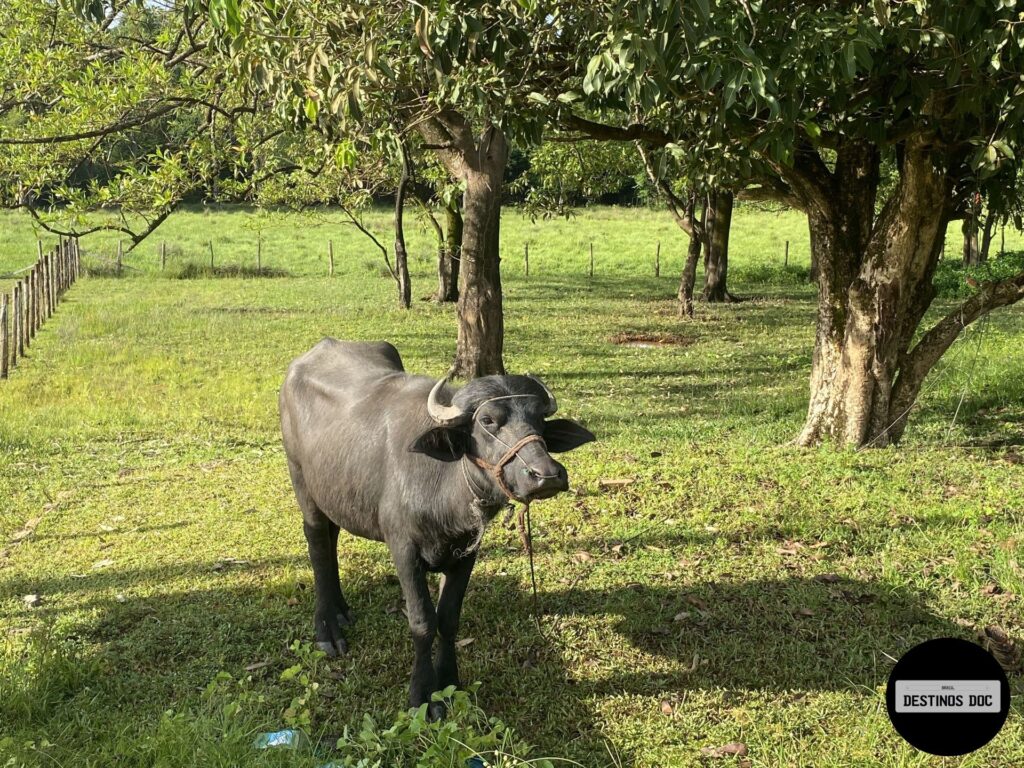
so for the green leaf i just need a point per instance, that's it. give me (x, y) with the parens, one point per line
(291, 673)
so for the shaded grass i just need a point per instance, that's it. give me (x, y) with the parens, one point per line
(143, 432)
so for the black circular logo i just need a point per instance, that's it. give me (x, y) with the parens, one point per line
(947, 696)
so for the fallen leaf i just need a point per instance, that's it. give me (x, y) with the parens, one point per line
(733, 748)
(583, 557)
(26, 530)
(32, 601)
(464, 642)
(666, 707)
(615, 482)
(827, 578)
(656, 454)
(120, 598)
(257, 665)
(681, 616)
(789, 548)
(696, 602)
(617, 549)
(807, 612)
(103, 563)
(991, 589)
(997, 642)
(293, 601)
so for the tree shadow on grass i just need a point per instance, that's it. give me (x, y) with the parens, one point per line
(640, 640)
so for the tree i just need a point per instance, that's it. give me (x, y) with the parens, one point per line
(823, 93)
(446, 74)
(132, 85)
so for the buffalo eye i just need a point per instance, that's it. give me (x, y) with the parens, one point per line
(487, 421)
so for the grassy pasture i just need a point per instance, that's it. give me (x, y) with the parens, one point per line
(739, 590)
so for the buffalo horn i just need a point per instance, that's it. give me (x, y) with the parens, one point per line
(444, 415)
(552, 403)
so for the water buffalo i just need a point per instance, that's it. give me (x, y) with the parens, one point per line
(402, 459)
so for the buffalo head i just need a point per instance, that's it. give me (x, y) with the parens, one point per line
(502, 425)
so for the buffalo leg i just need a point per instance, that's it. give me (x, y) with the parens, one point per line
(422, 625)
(449, 609)
(332, 611)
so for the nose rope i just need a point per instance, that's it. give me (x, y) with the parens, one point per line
(496, 470)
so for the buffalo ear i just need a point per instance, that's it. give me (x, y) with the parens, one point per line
(563, 435)
(442, 443)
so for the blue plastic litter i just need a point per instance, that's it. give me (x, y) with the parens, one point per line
(288, 738)
(474, 762)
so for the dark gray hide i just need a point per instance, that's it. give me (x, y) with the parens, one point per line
(365, 454)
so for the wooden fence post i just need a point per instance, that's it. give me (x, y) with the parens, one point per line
(120, 254)
(48, 273)
(163, 255)
(657, 260)
(259, 254)
(38, 299)
(526, 258)
(591, 259)
(50, 284)
(211, 254)
(786, 260)
(330, 258)
(19, 345)
(5, 339)
(45, 306)
(30, 307)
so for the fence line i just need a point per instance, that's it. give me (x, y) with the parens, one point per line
(34, 299)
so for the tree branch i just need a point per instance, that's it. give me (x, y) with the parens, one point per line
(603, 132)
(933, 345)
(97, 132)
(359, 225)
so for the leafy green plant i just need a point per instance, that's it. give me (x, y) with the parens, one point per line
(413, 740)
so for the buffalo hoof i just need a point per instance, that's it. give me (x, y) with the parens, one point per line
(329, 637)
(436, 710)
(333, 648)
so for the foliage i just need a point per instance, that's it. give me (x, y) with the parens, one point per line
(561, 175)
(777, 79)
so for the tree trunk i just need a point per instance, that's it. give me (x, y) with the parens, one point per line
(969, 227)
(986, 237)
(716, 258)
(479, 163)
(875, 284)
(812, 275)
(689, 276)
(449, 255)
(481, 324)
(401, 255)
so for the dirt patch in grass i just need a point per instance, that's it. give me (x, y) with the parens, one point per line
(645, 340)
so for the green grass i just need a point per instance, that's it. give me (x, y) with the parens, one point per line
(142, 434)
